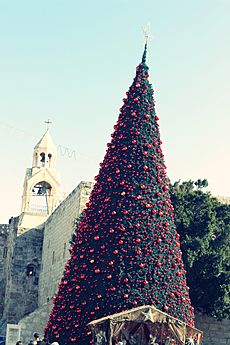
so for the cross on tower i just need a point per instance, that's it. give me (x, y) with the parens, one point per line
(48, 122)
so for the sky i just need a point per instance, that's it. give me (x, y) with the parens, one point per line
(72, 61)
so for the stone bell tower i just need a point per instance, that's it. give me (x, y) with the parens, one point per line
(41, 186)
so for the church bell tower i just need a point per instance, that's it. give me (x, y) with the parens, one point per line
(41, 191)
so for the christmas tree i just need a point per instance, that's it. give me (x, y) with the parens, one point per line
(126, 251)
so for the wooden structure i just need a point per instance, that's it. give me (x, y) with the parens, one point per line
(144, 325)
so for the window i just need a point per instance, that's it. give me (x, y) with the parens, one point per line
(30, 271)
(43, 157)
(49, 159)
(36, 159)
(5, 250)
(53, 257)
(64, 250)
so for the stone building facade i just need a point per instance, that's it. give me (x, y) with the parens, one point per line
(8, 233)
(32, 267)
(57, 234)
(58, 231)
(21, 295)
(4, 232)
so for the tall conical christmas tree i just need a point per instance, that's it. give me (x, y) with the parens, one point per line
(127, 251)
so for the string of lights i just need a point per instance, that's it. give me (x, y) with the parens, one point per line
(19, 133)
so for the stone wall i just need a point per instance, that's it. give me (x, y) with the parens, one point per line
(35, 322)
(215, 332)
(4, 231)
(9, 232)
(21, 296)
(58, 232)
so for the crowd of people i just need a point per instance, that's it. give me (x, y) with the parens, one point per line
(37, 341)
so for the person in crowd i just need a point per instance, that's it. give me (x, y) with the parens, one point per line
(36, 338)
(19, 342)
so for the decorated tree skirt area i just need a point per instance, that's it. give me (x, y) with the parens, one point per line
(144, 325)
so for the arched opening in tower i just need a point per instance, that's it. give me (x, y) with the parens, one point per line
(41, 193)
(42, 158)
(49, 160)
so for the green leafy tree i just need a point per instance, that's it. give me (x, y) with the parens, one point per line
(204, 227)
(200, 183)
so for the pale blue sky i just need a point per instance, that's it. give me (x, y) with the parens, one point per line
(72, 61)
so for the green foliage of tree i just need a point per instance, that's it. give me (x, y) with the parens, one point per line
(203, 223)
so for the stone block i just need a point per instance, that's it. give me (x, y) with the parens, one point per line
(214, 327)
(203, 326)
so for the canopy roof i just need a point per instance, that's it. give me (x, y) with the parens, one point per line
(150, 314)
